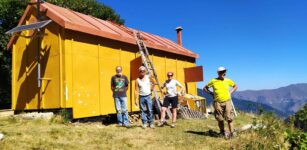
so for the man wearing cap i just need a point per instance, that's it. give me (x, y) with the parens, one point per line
(222, 100)
(144, 85)
(171, 97)
(119, 86)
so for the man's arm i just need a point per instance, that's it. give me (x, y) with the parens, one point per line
(234, 89)
(126, 83)
(206, 89)
(112, 84)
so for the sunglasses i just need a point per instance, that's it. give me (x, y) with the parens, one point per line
(222, 72)
(142, 71)
(170, 75)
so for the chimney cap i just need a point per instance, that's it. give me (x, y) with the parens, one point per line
(179, 28)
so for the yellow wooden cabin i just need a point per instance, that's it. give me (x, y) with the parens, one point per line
(78, 55)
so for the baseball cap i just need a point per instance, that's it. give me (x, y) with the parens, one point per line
(142, 68)
(221, 69)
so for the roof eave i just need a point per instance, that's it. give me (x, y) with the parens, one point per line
(66, 24)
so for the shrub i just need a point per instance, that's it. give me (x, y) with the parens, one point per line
(268, 133)
(297, 140)
(300, 118)
(63, 117)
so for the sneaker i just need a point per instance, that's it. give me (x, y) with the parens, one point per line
(119, 125)
(151, 126)
(144, 126)
(173, 125)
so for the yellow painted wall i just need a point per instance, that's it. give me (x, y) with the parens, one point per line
(67, 70)
(192, 87)
(85, 78)
(19, 74)
(160, 66)
(180, 71)
(24, 69)
(110, 58)
(50, 66)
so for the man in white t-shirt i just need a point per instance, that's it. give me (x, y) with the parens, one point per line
(171, 97)
(144, 86)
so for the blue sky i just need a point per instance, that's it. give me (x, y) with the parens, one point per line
(263, 43)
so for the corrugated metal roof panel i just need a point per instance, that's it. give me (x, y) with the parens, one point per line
(72, 20)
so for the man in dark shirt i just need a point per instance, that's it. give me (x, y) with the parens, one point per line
(119, 86)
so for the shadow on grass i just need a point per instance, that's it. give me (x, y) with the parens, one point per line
(105, 120)
(209, 133)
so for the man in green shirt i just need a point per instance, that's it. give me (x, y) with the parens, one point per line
(223, 109)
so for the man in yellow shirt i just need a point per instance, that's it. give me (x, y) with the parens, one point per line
(223, 109)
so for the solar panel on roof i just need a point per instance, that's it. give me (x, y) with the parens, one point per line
(33, 26)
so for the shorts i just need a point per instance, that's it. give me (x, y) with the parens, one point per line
(223, 111)
(170, 100)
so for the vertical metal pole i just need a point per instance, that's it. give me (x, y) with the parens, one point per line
(38, 47)
(38, 62)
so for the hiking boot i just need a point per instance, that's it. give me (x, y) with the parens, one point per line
(151, 126)
(144, 126)
(173, 125)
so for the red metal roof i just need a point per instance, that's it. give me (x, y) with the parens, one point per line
(72, 20)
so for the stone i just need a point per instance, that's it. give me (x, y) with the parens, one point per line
(246, 127)
(1, 136)
(36, 115)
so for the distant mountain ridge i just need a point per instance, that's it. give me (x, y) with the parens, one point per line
(288, 99)
(244, 105)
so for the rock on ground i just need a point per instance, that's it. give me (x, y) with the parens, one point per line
(1, 136)
(36, 115)
(246, 127)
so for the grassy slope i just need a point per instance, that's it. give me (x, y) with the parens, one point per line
(189, 134)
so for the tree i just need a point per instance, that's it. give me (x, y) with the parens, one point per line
(300, 118)
(10, 13)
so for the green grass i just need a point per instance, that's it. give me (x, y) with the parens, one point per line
(188, 134)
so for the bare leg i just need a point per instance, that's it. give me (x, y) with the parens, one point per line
(163, 110)
(230, 126)
(174, 114)
(221, 126)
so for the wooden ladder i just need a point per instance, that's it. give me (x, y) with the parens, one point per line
(151, 71)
